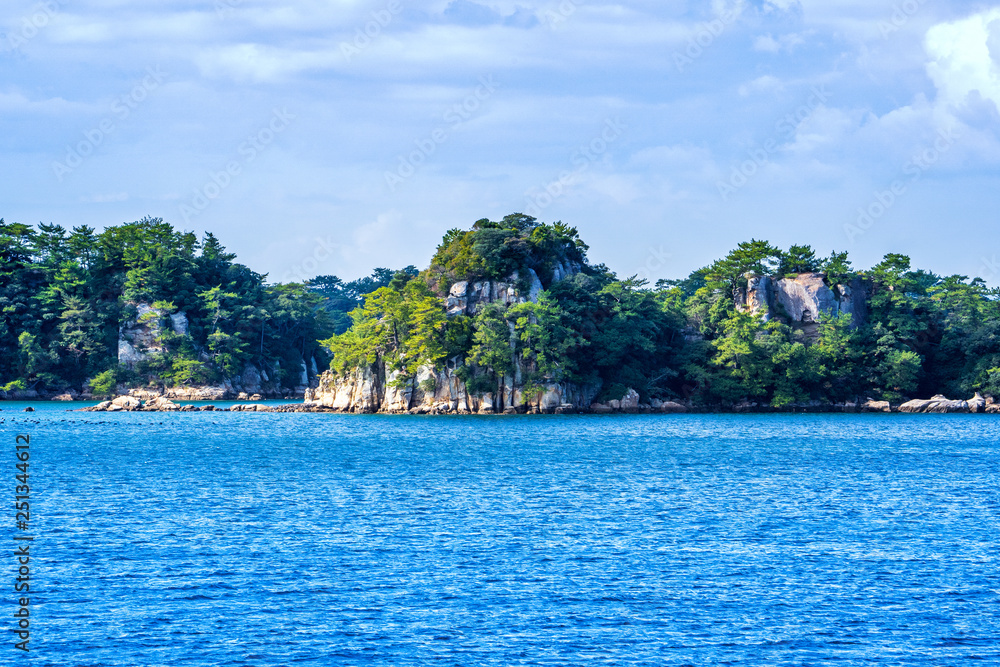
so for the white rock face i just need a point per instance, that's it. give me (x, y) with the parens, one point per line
(468, 298)
(179, 323)
(759, 297)
(802, 299)
(937, 404)
(630, 400)
(806, 297)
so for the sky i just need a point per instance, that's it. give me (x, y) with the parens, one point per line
(334, 136)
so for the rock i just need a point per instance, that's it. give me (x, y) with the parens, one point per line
(458, 299)
(670, 406)
(29, 409)
(937, 404)
(876, 406)
(160, 404)
(206, 393)
(63, 397)
(759, 297)
(510, 411)
(179, 323)
(601, 408)
(806, 296)
(977, 403)
(250, 379)
(256, 397)
(126, 403)
(630, 401)
(993, 409)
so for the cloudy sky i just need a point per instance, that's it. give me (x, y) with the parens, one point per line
(333, 136)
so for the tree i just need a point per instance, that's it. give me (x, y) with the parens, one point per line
(798, 259)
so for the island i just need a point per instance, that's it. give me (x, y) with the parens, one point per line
(508, 317)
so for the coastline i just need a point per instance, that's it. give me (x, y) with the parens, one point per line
(935, 405)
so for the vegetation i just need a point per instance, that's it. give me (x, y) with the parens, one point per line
(679, 339)
(66, 295)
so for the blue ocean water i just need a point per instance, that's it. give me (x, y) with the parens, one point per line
(317, 539)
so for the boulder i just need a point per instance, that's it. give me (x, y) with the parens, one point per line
(126, 403)
(160, 404)
(63, 397)
(670, 406)
(601, 408)
(977, 403)
(876, 406)
(630, 401)
(937, 404)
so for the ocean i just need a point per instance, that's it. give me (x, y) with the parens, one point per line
(321, 539)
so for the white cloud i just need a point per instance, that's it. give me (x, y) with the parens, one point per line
(766, 44)
(964, 58)
(105, 198)
(762, 84)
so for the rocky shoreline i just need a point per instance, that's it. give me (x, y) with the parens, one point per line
(628, 405)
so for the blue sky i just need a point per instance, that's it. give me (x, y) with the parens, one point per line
(333, 136)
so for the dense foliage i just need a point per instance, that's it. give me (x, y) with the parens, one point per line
(64, 296)
(923, 333)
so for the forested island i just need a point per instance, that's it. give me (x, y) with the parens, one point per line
(509, 316)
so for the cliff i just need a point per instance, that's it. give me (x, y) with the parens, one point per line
(801, 299)
(797, 300)
(376, 388)
(143, 350)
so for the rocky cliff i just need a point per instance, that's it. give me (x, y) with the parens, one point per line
(141, 338)
(801, 299)
(798, 300)
(378, 389)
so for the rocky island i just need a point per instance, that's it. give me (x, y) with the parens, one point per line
(509, 317)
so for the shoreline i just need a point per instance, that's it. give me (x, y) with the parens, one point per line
(935, 405)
